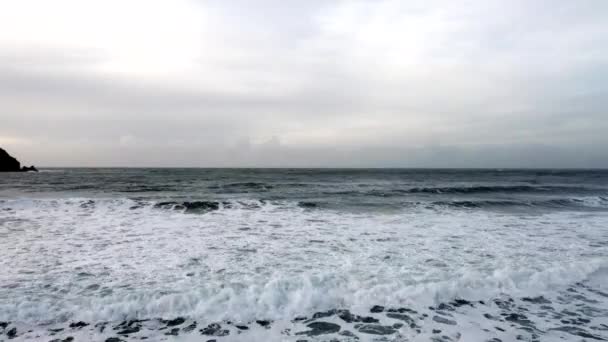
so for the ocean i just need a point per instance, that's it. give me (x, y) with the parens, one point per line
(304, 255)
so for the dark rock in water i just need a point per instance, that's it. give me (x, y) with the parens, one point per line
(401, 317)
(242, 327)
(325, 313)
(113, 339)
(214, 329)
(376, 309)
(403, 310)
(9, 163)
(348, 317)
(320, 328)
(67, 339)
(375, 329)
(518, 319)
(79, 324)
(174, 322)
(12, 333)
(495, 339)
(190, 327)
(173, 332)
(436, 331)
(536, 300)
(578, 332)
(461, 302)
(129, 330)
(263, 322)
(348, 334)
(3, 325)
(443, 320)
(445, 307)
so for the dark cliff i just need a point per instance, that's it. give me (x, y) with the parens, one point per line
(9, 163)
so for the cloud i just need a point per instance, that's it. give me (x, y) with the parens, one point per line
(491, 83)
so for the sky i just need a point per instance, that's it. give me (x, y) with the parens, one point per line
(274, 83)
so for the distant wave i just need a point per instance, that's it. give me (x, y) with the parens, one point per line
(469, 190)
(597, 202)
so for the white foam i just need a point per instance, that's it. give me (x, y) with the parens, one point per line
(108, 260)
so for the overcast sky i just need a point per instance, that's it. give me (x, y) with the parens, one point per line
(486, 83)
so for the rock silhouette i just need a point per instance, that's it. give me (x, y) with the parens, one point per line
(9, 163)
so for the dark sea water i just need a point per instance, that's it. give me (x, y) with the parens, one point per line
(304, 254)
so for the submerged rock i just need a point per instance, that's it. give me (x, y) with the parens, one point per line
(12, 333)
(80, 324)
(214, 329)
(443, 320)
(376, 309)
(375, 329)
(174, 322)
(320, 328)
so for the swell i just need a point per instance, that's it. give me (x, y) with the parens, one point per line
(597, 202)
(207, 206)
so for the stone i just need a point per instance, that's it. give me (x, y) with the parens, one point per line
(174, 322)
(214, 329)
(113, 339)
(263, 322)
(80, 324)
(190, 328)
(443, 320)
(376, 309)
(320, 328)
(375, 329)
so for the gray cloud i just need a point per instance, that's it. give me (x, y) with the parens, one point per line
(357, 84)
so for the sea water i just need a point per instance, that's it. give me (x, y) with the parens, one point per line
(297, 254)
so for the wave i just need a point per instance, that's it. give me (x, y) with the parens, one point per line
(597, 202)
(207, 206)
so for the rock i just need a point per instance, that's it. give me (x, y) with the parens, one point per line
(320, 328)
(242, 327)
(113, 339)
(348, 317)
(376, 309)
(190, 327)
(3, 325)
(536, 300)
(375, 329)
(443, 320)
(67, 339)
(173, 332)
(461, 302)
(174, 322)
(401, 317)
(214, 329)
(129, 330)
(12, 333)
(79, 324)
(9, 163)
(263, 322)
(348, 334)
